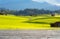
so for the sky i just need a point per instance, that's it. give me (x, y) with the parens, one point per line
(53, 2)
(15, 4)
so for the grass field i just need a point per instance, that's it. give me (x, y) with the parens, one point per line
(11, 22)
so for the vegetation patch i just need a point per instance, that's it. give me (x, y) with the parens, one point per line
(11, 22)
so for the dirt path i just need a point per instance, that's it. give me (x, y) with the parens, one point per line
(30, 34)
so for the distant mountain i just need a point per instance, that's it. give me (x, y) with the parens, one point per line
(37, 5)
(23, 4)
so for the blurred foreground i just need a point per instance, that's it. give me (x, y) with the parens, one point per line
(30, 34)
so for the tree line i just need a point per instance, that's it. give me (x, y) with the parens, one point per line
(27, 12)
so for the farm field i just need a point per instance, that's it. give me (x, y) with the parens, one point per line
(11, 22)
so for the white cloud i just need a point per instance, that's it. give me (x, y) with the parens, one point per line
(39, 0)
(53, 2)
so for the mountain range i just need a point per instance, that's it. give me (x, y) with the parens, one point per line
(23, 4)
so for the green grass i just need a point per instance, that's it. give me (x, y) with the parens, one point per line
(11, 22)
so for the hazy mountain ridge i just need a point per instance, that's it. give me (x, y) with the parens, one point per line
(23, 4)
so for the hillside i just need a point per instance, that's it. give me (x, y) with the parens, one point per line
(20, 22)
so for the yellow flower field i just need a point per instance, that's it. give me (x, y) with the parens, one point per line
(11, 22)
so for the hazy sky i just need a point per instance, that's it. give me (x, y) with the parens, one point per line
(15, 4)
(53, 2)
